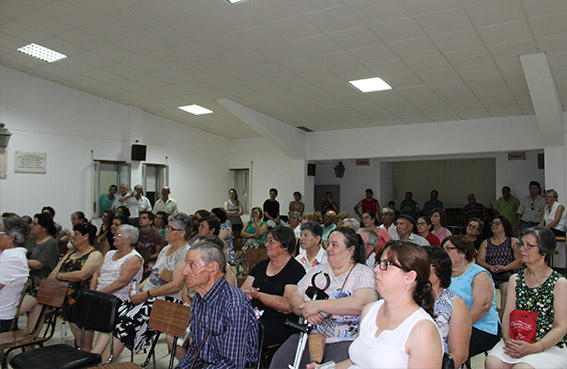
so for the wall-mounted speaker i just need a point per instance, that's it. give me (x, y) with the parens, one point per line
(139, 152)
(311, 168)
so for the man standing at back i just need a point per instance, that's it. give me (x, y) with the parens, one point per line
(507, 206)
(166, 203)
(368, 204)
(531, 207)
(432, 203)
(224, 329)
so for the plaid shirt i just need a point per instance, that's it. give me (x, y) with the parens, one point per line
(233, 338)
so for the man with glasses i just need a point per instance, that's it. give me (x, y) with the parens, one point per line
(405, 226)
(531, 208)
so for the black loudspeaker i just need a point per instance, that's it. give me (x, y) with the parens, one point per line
(311, 168)
(139, 152)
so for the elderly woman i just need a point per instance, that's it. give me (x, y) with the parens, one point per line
(424, 230)
(351, 287)
(271, 282)
(540, 289)
(474, 285)
(398, 331)
(311, 253)
(43, 252)
(553, 217)
(165, 282)
(451, 312)
(255, 232)
(295, 223)
(351, 223)
(500, 255)
(474, 231)
(14, 267)
(77, 268)
(439, 221)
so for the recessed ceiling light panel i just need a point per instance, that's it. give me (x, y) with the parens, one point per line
(41, 52)
(370, 84)
(235, 1)
(195, 109)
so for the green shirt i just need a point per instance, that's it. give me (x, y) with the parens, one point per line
(508, 208)
(327, 231)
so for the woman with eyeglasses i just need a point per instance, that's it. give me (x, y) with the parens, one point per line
(537, 288)
(349, 285)
(500, 255)
(475, 286)
(553, 216)
(165, 282)
(474, 231)
(271, 282)
(398, 331)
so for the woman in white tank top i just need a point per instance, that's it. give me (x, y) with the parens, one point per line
(398, 331)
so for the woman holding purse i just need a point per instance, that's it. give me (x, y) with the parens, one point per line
(539, 289)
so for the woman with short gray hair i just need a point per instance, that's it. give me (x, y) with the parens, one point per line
(14, 266)
(553, 216)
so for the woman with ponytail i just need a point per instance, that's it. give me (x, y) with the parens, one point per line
(398, 331)
(349, 285)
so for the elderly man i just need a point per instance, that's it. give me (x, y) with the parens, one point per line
(143, 202)
(405, 226)
(127, 199)
(370, 239)
(224, 329)
(388, 217)
(531, 208)
(329, 224)
(166, 203)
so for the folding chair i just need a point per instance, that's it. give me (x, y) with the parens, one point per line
(169, 318)
(93, 310)
(51, 293)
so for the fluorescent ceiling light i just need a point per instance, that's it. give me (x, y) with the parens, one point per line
(195, 109)
(41, 52)
(371, 84)
(235, 1)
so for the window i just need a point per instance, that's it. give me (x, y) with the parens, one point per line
(105, 174)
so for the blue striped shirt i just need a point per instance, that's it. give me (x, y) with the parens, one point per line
(233, 338)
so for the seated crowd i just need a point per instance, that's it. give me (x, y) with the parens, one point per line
(399, 292)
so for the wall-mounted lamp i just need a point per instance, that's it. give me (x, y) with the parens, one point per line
(340, 170)
(4, 136)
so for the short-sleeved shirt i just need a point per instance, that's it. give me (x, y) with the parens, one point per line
(508, 208)
(168, 262)
(272, 208)
(369, 205)
(409, 208)
(341, 327)
(46, 253)
(14, 267)
(327, 231)
(476, 211)
(530, 211)
(170, 206)
(105, 203)
(148, 243)
(433, 204)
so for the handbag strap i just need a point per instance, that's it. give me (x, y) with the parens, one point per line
(341, 291)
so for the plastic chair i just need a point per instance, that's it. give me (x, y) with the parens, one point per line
(93, 310)
(169, 318)
(51, 293)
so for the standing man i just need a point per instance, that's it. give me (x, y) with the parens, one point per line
(409, 206)
(329, 224)
(531, 208)
(507, 206)
(143, 202)
(329, 204)
(433, 203)
(368, 204)
(272, 210)
(224, 329)
(166, 203)
(405, 226)
(474, 209)
(127, 199)
(106, 199)
(150, 241)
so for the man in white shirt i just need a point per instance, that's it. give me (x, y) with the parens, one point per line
(388, 216)
(166, 203)
(127, 199)
(531, 208)
(143, 202)
(405, 225)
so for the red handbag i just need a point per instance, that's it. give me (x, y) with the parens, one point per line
(523, 325)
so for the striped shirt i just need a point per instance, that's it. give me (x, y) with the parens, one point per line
(233, 337)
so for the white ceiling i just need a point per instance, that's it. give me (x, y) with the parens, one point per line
(292, 59)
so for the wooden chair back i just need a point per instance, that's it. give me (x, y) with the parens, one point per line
(253, 256)
(170, 318)
(52, 292)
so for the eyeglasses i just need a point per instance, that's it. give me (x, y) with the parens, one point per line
(496, 223)
(385, 264)
(527, 246)
(473, 227)
(449, 248)
(119, 235)
(170, 228)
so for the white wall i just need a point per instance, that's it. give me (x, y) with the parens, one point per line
(67, 124)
